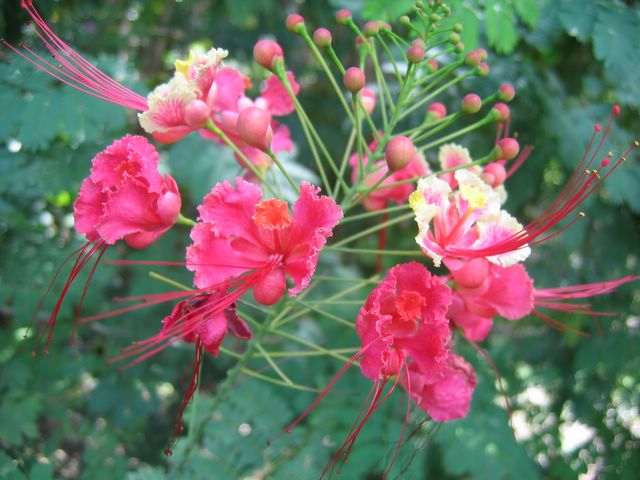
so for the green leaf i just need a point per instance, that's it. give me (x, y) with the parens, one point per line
(615, 27)
(385, 10)
(528, 11)
(577, 20)
(469, 17)
(501, 26)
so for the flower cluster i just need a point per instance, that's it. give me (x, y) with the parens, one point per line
(248, 247)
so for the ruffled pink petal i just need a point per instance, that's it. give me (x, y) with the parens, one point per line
(475, 327)
(449, 398)
(128, 210)
(231, 209)
(510, 292)
(87, 209)
(276, 95)
(314, 217)
(214, 259)
(231, 85)
(132, 156)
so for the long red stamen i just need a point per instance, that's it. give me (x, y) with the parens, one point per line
(178, 426)
(83, 256)
(583, 182)
(74, 70)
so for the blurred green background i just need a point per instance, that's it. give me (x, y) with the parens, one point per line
(70, 415)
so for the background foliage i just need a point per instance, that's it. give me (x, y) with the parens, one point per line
(69, 415)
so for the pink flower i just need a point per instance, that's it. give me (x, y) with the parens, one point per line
(238, 233)
(446, 399)
(459, 223)
(124, 198)
(404, 316)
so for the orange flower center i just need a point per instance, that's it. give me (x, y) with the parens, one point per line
(272, 214)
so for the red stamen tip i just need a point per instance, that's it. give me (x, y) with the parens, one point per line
(605, 162)
(26, 3)
(616, 110)
(597, 127)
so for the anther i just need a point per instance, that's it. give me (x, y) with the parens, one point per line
(582, 214)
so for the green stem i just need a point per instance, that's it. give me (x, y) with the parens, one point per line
(182, 220)
(361, 216)
(169, 281)
(284, 171)
(212, 127)
(371, 251)
(274, 365)
(487, 119)
(373, 229)
(436, 92)
(311, 306)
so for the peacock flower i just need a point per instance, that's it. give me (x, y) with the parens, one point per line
(124, 198)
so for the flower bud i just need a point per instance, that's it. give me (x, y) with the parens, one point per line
(454, 38)
(196, 114)
(354, 79)
(437, 111)
(368, 100)
(472, 274)
(459, 47)
(471, 103)
(415, 54)
(494, 174)
(506, 92)
(509, 148)
(473, 58)
(372, 28)
(270, 288)
(295, 23)
(254, 127)
(343, 16)
(458, 28)
(404, 20)
(266, 53)
(322, 37)
(501, 112)
(483, 69)
(399, 152)
(432, 65)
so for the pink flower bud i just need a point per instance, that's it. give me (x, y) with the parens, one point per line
(616, 110)
(418, 41)
(415, 54)
(501, 112)
(472, 274)
(295, 23)
(266, 52)
(372, 28)
(506, 92)
(437, 110)
(322, 37)
(354, 79)
(494, 174)
(399, 152)
(254, 127)
(343, 16)
(509, 148)
(483, 69)
(270, 288)
(196, 114)
(433, 66)
(168, 207)
(471, 103)
(473, 58)
(368, 100)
